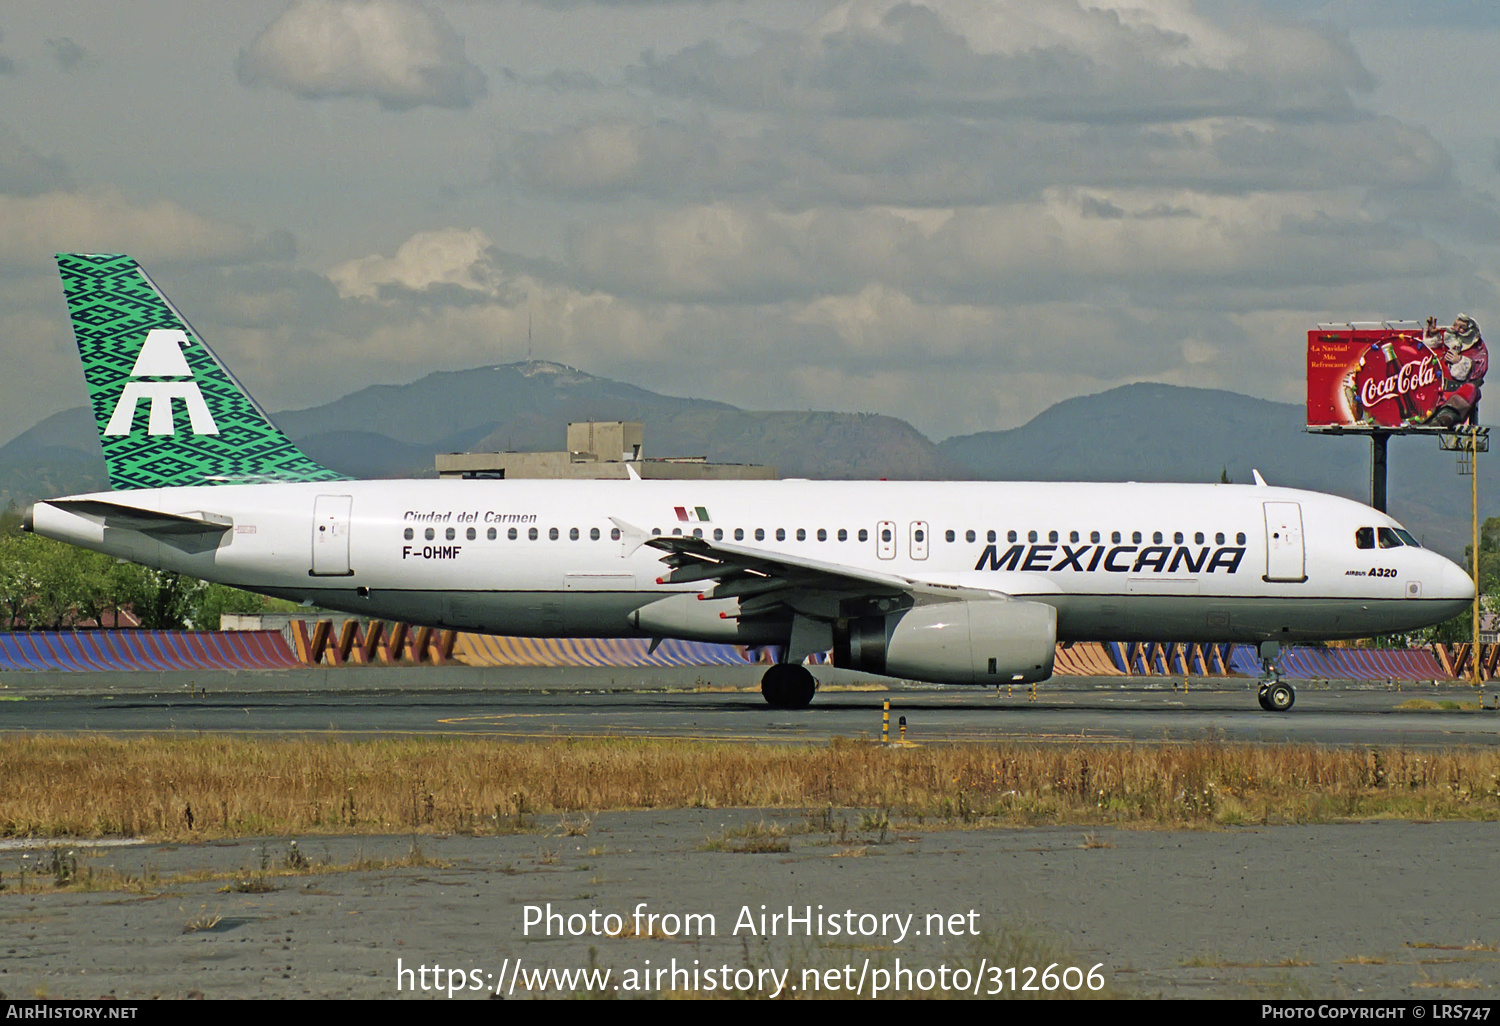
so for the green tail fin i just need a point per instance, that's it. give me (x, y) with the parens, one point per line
(169, 412)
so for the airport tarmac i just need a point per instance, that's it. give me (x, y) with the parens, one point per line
(1363, 910)
(718, 703)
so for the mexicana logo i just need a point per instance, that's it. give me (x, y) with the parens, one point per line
(161, 357)
(1117, 559)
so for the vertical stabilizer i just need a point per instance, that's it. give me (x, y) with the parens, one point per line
(169, 413)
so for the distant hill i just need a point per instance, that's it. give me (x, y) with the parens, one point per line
(1145, 432)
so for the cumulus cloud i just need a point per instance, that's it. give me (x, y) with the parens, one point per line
(1057, 59)
(445, 257)
(1068, 241)
(401, 53)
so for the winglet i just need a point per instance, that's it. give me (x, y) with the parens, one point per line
(1258, 479)
(631, 537)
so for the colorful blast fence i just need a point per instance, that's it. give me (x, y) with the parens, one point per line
(377, 643)
(146, 650)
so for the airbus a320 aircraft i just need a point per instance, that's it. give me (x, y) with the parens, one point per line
(947, 582)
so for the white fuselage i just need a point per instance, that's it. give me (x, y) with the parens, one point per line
(1117, 561)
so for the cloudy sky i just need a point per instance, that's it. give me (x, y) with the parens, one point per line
(953, 211)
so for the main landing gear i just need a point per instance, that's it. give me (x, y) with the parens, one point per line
(1276, 695)
(788, 686)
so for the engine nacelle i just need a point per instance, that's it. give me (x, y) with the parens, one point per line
(994, 642)
(685, 615)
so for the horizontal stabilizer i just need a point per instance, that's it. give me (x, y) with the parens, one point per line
(133, 518)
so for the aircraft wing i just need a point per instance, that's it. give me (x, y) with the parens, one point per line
(763, 581)
(133, 518)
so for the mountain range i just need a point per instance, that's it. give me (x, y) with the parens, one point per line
(1142, 432)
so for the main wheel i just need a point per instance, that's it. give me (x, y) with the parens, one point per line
(1279, 697)
(1262, 699)
(786, 686)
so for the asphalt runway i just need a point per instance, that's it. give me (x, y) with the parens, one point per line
(1079, 710)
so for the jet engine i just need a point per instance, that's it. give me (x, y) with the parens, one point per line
(987, 642)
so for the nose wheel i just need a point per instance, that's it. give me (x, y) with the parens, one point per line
(1275, 694)
(788, 686)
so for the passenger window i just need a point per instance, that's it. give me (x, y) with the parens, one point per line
(739, 534)
(1388, 539)
(801, 534)
(492, 534)
(1010, 536)
(1364, 538)
(1031, 536)
(677, 532)
(697, 532)
(511, 534)
(1239, 539)
(1177, 538)
(531, 534)
(1094, 537)
(1052, 536)
(822, 534)
(989, 536)
(970, 536)
(760, 534)
(1219, 538)
(1198, 538)
(1156, 538)
(655, 531)
(919, 536)
(718, 534)
(593, 534)
(614, 534)
(1114, 537)
(948, 535)
(1073, 537)
(572, 534)
(843, 535)
(449, 534)
(864, 535)
(429, 534)
(552, 534)
(781, 534)
(885, 535)
(408, 534)
(1135, 537)
(471, 534)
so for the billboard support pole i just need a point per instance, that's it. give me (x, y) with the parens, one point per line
(1474, 493)
(1378, 442)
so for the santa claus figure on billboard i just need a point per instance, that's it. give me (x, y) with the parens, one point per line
(1464, 360)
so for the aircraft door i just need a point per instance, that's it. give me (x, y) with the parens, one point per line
(918, 539)
(330, 538)
(885, 539)
(1286, 559)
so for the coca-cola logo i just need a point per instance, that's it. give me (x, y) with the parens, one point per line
(1397, 382)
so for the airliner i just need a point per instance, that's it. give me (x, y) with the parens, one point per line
(945, 582)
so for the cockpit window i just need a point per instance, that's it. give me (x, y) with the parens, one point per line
(1406, 537)
(1388, 539)
(1364, 538)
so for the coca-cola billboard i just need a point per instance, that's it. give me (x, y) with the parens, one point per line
(1372, 378)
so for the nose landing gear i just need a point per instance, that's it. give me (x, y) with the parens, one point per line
(1275, 695)
(788, 686)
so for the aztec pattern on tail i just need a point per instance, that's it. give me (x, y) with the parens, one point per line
(169, 413)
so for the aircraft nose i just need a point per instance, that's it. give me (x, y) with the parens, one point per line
(1455, 583)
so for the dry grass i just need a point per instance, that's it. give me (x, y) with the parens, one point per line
(197, 788)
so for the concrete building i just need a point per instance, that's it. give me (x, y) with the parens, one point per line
(597, 450)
